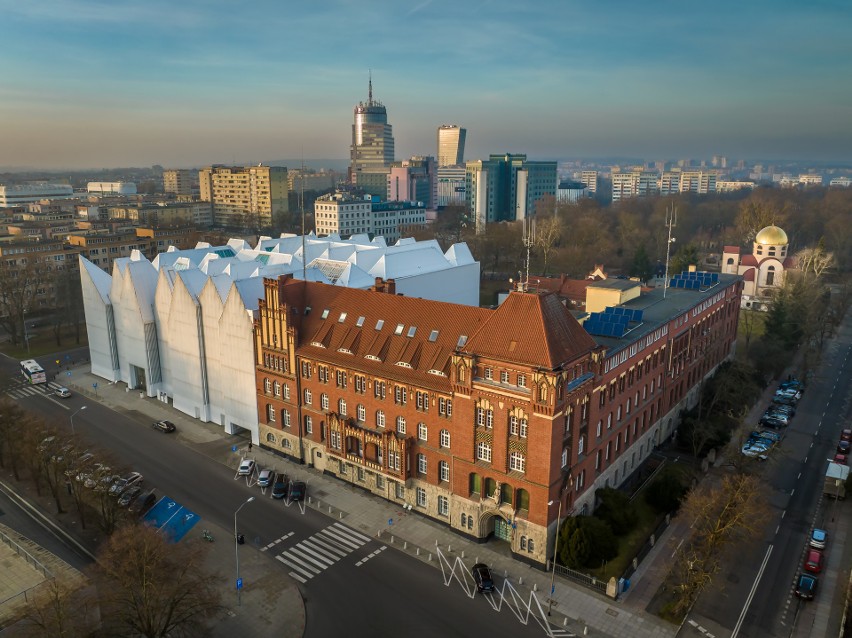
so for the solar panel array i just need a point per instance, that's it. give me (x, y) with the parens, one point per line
(694, 280)
(612, 322)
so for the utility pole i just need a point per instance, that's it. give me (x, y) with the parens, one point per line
(671, 222)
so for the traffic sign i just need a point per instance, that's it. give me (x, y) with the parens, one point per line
(239, 583)
(95, 386)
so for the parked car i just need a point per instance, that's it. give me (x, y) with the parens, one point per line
(62, 393)
(789, 410)
(784, 400)
(843, 447)
(806, 586)
(813, 561)
(131, 480)
(767, 434)
(246, 467)
(482, 577)
(772, 422)
(164, 426)
(281, 486)
(143, 503)
(778, 416)
(128, 495)
(297, 491)
(818, 538)
(846, 435)
(265, 478)
(792, 384)
(842, 459)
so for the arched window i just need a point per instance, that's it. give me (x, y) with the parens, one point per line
(531, 546)
(270, 437)
(770, 276)
(730, 261)
(506, 493)
(523, 500)
(523, 542)
(475, 483)
(490, 487)
(463, 519)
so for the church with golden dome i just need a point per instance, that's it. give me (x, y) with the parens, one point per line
(763, 270)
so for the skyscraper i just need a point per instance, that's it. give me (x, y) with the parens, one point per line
(372, 149)
(451, 145)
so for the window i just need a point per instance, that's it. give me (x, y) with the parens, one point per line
(285, 418)
(504, 376)
(322, 374)
(400, 394)
(523, 542)
(308, 397)
(421, 497)
(483, 451)
(341, 378)
(380, 418)
(600, 426)
(464, 520)
(443, 506)
(489, 374)
(421, 463)
(341, 407)
(513, 425)
(522, 381)
(422, 401)
(286, 391)
(309, 425)
(324, 401)
(360, 384)
(400, 490)
(267, 386)
(361, 412)
(565, 457)
(422, 431)
(445, 438)
(276, 389)
(400, 424)
(517, 462)
(531, 546)
(393, 460)
(380, 482)
(335, 439)
(379, 389)
(443, 470)
(270, 413)
(522, 422)
(306, 370)
(484, 417)
(581, 445)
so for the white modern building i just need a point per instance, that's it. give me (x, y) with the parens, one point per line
(112, 188)
(179, 328)
(18, 194)
(344, 214)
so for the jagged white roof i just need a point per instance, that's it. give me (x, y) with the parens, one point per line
(101, 280)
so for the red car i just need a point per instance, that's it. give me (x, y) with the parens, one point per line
(813, 561)
(840, 458)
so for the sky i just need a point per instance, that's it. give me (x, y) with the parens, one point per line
(89, 84)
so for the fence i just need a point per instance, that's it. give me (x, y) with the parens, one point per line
(580, 577)
(24, 596)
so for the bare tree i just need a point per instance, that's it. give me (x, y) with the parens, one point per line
(548, 231)
(153, 588)
(755, 215)
(20, 281)
(13, 422)
(814, 261)
(59, 608)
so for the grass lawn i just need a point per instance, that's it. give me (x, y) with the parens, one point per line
(42, 342)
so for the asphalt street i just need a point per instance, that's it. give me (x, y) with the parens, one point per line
(794, 477)
(344, 593)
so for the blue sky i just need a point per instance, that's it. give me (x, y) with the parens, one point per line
(186, 83)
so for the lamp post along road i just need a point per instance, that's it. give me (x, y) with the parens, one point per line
(555, 549)
(72, 417)
(237, 551)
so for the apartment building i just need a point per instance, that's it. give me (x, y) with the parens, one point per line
(179, 181)
(344, 214)
(484, 419)
(245, 196)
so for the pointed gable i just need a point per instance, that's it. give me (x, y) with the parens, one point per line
(534, 329)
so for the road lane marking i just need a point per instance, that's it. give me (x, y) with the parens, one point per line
(739, 624)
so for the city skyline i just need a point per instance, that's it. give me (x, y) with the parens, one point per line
(92, 84)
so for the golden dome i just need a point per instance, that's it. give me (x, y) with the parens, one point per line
(771, 236)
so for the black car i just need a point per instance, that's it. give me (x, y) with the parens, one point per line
(806, 586)
(843, 447)
(127, 496)
(297, 491)
(143, 503)
(772, 422)
(164, 426)
(482, 577)
(281, 486)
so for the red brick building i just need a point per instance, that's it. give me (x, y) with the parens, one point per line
(476, 417)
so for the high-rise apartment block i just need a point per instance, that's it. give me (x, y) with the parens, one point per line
(178, 181)
(245, 196)
(634, 183)
(590, 179)
(372, 149)
(414, 180)
(506, 187)
(451, 145)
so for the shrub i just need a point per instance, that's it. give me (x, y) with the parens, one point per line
(616, 510)
(666, 491)
(586, 541)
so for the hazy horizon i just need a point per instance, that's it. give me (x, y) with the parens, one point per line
(94, 84)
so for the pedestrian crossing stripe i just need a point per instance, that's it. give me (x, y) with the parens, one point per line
(369, 556)
(317, 553)
(23, 389)
(276, 541)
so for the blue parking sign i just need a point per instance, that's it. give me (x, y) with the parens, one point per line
(239, 583)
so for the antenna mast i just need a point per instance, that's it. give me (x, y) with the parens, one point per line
(370, 90)
(528, 239)
(302, 207)
(671, 222)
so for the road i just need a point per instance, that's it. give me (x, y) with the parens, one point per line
(747, 602)
(389, 592)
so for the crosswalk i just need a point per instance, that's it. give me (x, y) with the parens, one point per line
(314, 555)
(20, 389)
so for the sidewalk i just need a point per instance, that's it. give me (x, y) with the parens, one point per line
(576, 609)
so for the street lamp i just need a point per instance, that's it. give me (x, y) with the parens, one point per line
(555, 549)
(237, 548)
(72, 417)
(26, 336)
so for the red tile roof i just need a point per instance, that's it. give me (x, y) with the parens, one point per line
(534, 329)
(731, 249)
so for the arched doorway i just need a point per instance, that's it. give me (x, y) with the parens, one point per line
(493, 524)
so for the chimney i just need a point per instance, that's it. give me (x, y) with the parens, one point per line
(390, 287)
